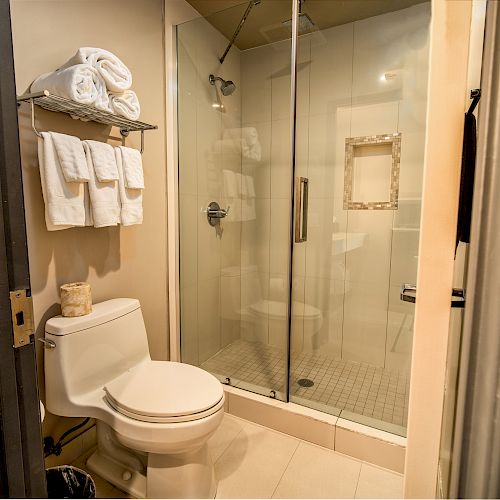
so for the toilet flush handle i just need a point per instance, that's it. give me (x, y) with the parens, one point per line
(47, 343)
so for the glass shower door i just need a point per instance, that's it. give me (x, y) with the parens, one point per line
(235, 151)
(359, 143)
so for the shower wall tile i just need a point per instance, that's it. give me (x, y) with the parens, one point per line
(331, 69)
(400, 321)
(370, 263)
(256, 70)
(365, 323)
(188, 239)
(189, 319)
(279, 238)
(281, 172)
(209, 318)
(209, 245)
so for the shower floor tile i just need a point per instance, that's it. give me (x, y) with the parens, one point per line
(359, 388)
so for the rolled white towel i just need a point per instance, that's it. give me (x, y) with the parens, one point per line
(81, 83)
(125, 104)
(117, 76)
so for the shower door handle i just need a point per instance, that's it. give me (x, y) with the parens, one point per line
(301, 208)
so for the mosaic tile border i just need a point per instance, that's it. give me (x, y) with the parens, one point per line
(372, 140)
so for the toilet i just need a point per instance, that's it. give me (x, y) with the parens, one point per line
(153, 417)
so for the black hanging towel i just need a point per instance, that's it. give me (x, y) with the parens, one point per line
(468, 171)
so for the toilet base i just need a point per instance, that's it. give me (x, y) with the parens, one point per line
(184, 475)
(180, 475)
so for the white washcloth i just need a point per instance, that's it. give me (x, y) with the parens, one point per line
(71, 157)
(125, 104)
(130, 199)
(230, 184)
(103, 159)
(81, 83)
(132, 168)
(64, 201)
(117, 76)
(104, 196)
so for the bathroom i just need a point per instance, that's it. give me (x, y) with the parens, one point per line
(302, 163)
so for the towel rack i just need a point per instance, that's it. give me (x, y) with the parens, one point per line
(52, 102)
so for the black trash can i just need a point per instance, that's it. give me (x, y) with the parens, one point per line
(66, 481)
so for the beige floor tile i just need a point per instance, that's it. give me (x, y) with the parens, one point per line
(379, 483)
(224, 436)
(316, 472)
(253, 463)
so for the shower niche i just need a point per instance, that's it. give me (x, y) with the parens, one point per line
(371, 179)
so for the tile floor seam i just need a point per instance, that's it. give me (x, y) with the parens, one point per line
(357, 482)
(228, 445)
(286, 468)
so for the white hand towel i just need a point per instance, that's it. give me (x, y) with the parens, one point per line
(104, 161)
(132, 168)
(130, 199)
(250, 186)
(81, 83)
(242, 186)
(125, 104)
(64, 201)
(104, 196)
(230, 184)
(71, 157)
(117, 76)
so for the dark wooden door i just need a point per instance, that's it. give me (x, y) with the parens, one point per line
(22, 472)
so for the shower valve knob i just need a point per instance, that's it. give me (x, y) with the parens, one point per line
(215, 213)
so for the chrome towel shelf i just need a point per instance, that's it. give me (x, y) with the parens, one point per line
(52, 102)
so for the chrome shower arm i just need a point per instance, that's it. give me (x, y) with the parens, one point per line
(238, 28)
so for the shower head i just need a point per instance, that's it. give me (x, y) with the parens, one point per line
(227, 87)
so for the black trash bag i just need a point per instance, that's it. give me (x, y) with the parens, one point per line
(66, 481)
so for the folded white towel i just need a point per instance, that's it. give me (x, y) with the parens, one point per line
(250, 186)
(132, 168)
(104, 196)
(242, 186)
(71, 157)
(125, 104)
(103, 158)
(230, 184)
(64, 201)
(116, 75)
(130, 199)
(81, 83)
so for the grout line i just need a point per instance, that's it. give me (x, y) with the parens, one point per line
(286, 468)
(357, 482)
(228, 445)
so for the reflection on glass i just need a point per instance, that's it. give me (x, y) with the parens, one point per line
(361, 71)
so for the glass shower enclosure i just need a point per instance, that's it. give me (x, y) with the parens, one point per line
(300, 177)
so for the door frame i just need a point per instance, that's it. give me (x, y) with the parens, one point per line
(447, 94)
(22, 468)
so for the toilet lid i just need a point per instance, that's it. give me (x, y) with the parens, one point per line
(276, 309)
(165, 391)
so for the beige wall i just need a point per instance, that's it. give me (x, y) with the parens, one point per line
(117, 261)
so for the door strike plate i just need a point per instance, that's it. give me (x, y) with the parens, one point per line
(21, 306)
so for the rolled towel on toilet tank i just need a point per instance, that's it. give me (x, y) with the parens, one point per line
(117, 76)
(76, 299)
(125, 104)
(81, 83)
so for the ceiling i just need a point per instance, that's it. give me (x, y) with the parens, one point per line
(264, 24)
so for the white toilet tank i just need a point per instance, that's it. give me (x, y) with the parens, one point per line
(91, 350)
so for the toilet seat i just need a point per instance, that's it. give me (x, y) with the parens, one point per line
(165, 392)
(279, 310)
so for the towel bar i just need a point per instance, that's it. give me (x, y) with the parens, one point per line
(52, 102)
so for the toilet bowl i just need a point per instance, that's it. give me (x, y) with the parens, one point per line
(153, 417)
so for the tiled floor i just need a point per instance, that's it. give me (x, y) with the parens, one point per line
(338, 385)
(252, 461)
